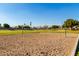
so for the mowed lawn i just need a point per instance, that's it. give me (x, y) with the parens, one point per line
(14, 32)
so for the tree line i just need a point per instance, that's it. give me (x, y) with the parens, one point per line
(7, 26)
(68, 24)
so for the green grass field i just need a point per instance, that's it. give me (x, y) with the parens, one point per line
(13, 32)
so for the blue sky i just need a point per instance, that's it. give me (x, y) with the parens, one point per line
(39, 14)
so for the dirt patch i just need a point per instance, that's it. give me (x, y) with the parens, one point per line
(37, 44)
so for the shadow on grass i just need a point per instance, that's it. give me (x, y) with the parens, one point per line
(77, 49)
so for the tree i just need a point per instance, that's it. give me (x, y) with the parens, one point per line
(27, 27)
(55, 26)
(0, 25)
(6, 26)
(20, 26)
(69, 23)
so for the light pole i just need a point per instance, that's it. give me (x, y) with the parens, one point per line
(65, 31)
(30, 25)
(22, 30)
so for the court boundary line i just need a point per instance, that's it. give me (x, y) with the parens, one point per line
(75, 46)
